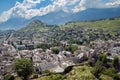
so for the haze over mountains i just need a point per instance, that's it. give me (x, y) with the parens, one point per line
(61, 17)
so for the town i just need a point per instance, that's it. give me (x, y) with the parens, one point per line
(57, 48)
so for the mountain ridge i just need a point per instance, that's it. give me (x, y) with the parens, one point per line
(107, 24)
(62, 17)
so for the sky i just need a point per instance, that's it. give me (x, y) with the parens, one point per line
(28, 9)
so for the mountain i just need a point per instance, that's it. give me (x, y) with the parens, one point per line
(106, 24)
(6, 31)
(89, 14)
(96, 14)
(61, 17)
(14, 23)
(36, 25)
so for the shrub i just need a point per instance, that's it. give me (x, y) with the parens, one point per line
(112, 73)
(97, 69)
(9, 77)
(116, 62)
(102, 58)
(47, 72)
(43, 46)
(109, 71)
(71, 48)
(24, 68)
(55, 50)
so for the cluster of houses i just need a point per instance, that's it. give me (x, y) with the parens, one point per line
(6, 59)
(47, 60)
(21, 44)
(75, 35)
(91, 42)
(42, 60)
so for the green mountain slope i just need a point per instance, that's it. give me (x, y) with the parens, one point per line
(36, 25)
(107, 24)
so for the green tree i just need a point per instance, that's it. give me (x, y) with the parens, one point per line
(116, 62)
(55, 50)
(43, 46)
(24, 68)
(71, 48)
(102, 58)
(97, 69)
(9, 77)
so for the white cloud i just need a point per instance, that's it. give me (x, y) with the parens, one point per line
(27, 10)
(5, 15)
(114, 3)
(19, 9)
(84, 4)
(39, 12)
(80, 7)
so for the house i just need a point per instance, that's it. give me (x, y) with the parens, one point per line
(3, 48)
(30, 46)
(117, 45)
(20, 47)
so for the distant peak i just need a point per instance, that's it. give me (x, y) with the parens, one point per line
(36, 21)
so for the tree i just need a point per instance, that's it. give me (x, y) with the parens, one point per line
(116, 62)
(43, 46)
(24, 68)
(97, 69)
(9, 77)
(102, 58)
(55, 50)
(71, 48)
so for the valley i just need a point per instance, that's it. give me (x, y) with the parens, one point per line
(74, 51)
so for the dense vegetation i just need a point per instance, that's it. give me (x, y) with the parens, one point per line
(24, 68)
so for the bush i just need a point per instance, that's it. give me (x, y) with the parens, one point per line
(43, 46)
(116, 62)
(47, 72)
(24, 68)
(102, 58)
(109, 71)
(112, 73)
(9, 77)
(55, 50)
(71, 48)
(97, 70)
